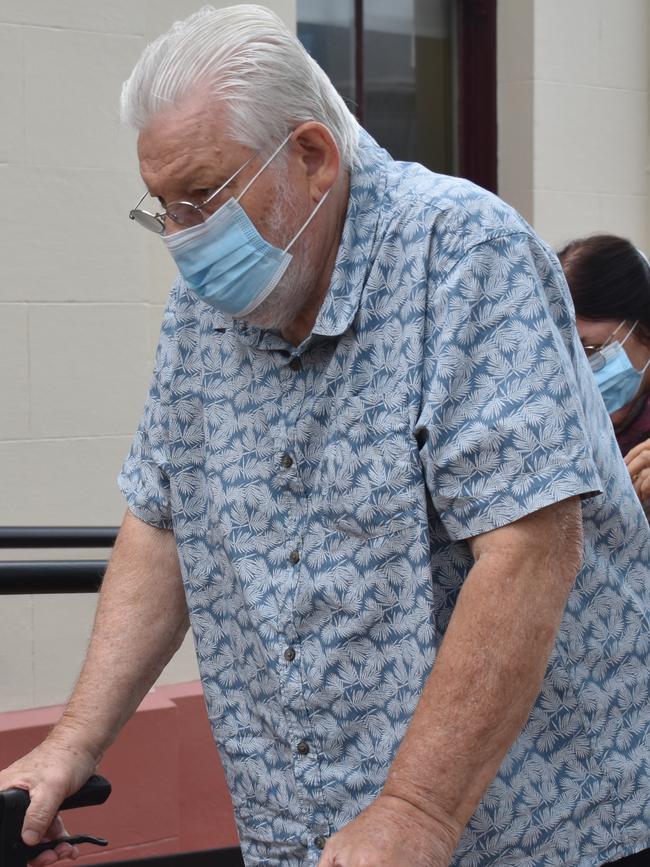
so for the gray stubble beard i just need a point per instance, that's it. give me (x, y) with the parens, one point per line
(289, 297)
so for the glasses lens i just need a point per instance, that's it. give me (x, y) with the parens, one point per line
(148, 221)
(185, 214)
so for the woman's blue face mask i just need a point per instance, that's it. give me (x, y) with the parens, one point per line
(618, 380)
(226, 262)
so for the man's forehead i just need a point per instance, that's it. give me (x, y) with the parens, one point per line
(186, 137)
(173, 133)
(197, 114)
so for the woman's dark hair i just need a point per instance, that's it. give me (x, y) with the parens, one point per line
(609, 279)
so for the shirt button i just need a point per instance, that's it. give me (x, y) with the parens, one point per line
(286, 461)
(303, 748)
(294, 557)
(290, 654)
(320, 841)
(295, 364)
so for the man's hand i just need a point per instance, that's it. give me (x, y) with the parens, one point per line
(488, 671)
(391, 832)
(49, 773)
(638, 465)
(140, 622)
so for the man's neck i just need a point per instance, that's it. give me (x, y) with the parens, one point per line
(301, 326)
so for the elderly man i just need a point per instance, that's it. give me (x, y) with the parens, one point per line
(376, 471)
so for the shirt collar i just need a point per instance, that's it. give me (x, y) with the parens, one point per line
(353, 260)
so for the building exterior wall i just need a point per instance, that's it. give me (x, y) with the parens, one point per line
(81, 296)
(82, 288)
(573, 115)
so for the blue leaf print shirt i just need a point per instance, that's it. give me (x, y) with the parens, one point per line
(321, 497)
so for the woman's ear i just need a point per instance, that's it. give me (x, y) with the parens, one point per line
(318, 157)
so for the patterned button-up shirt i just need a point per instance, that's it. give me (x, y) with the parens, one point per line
(322, 497)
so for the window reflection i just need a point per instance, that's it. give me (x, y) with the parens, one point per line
(408, 85)
(327, 32)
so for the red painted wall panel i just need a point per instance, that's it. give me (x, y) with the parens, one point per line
(169, 793)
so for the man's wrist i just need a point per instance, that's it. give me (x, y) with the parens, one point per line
(433, 814)
(71, 737)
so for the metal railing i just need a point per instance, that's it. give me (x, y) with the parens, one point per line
(83, 576)
(53, 576)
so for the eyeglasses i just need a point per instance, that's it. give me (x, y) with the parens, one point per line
(185, 214)
(592, 348)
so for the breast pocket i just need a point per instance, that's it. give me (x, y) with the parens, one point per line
(369, 473)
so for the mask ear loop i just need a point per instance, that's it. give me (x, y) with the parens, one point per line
(615, 332)
(647, 364)
(628, 333)
(645, 367)
(599, 359)
(307, 222)
(259, 172)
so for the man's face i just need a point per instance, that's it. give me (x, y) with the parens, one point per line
(185, 155)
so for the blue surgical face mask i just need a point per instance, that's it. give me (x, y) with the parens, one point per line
(226, 262)
(618, 380)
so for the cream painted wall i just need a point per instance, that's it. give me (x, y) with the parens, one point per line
(81, 296)
(573, 115)
(82, 289)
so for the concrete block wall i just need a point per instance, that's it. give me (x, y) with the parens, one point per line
(574, 115)
(82, 290)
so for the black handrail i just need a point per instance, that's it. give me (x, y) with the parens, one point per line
(57, 537)
(50, 576)
(53, 576)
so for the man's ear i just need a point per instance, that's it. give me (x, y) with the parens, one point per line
(318, 157)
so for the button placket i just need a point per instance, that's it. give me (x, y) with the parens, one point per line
(286, 461)
(304, 741)
(300, 738)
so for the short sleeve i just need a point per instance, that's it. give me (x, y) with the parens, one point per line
(144, 478)
(505, 432)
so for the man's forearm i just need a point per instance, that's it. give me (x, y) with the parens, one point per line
(140, 622)
(490, 667)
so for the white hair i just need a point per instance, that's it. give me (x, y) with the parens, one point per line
(247, 58)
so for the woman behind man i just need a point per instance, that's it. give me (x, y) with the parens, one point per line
(609, 280)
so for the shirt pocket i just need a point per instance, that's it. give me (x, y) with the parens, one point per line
(369, 477)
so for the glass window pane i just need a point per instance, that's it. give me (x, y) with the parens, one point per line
(327, 32)
(408, 92)
(408, 81)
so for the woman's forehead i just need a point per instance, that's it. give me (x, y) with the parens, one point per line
(596, 331)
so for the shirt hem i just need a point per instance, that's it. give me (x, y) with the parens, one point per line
(142, 513)
(492, 513)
